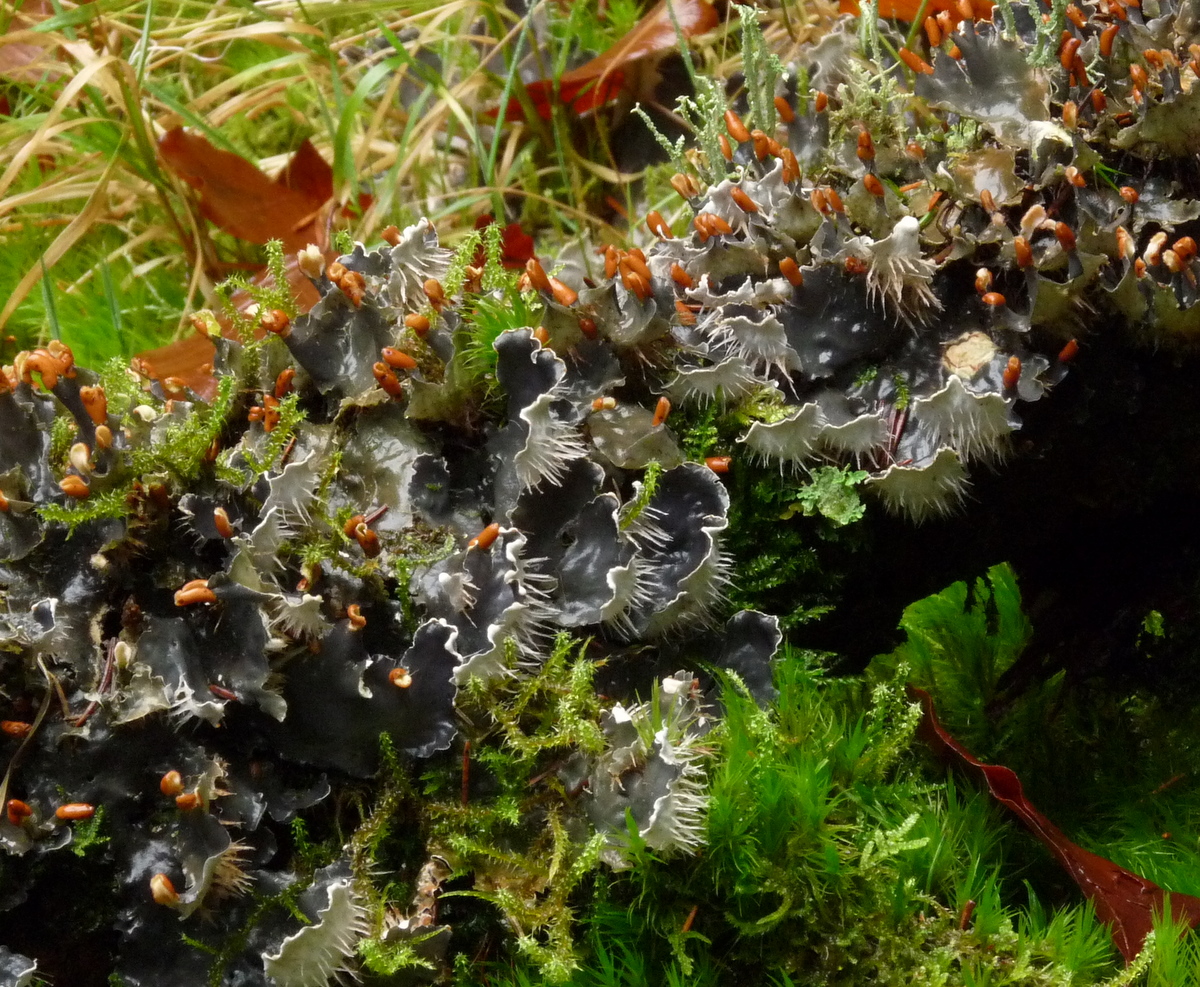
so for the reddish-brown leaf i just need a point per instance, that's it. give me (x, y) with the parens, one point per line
(601, 80)
(1124, 901)
(308, 173)
(18, 57)
(906, 10)
(516, 246)
(241, 200)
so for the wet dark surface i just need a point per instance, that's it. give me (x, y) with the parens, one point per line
(1095, 510)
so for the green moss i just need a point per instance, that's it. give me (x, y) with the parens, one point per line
(832, 495)
(290, 416)
(183, 449)
(633, 508)
(386, 959)
(87, 836)
(98, 507)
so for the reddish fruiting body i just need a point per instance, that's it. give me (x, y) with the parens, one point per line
(1125, 247)
(1068, 352)
(612, 261)
(1066, 56)
(791, 270)
(18, 811)
(1012, 372)
(397, 359)
(222, 523)
(195, 591)
(283, 383)
(661, 410)
(915, 62)
(637, 261)
(1153, 252)
(96, 403)
(681, 277)
(401, 677)
(993, 299)
(685, 315)
(563, 294)
(276, 321)
(866, 147)
(486, 538)
(75, 810)
(387, 380)
(737, 129)
(417, 322)
(657, 225)
(15, 728)
(187, 801)
(718, 464)
(74, 486)
(171, 784)
(636, 284)
(685, 185)
(163, 891)
(368, 541)
(1023, 251)
(744, 202)
(537, 275)
(435, 293)
(726, 150)
(791, 166)
(784, 109)
(873, 185)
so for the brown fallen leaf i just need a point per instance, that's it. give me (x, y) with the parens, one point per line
(18, 56)
(190, 358)
(241, 200)
(907, 10)
(516, 246)
(602, 80)
(1125, 902)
